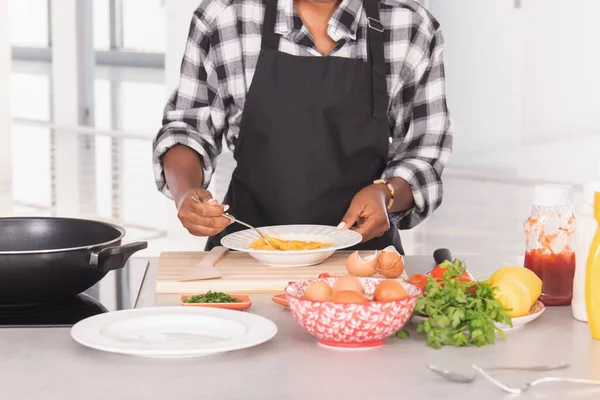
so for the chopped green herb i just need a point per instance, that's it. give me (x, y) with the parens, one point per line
(212, 297)
(401, 334)
(459, 313)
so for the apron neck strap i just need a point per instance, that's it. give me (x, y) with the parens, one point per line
(376, 58)
(270, 40)
(375, 52)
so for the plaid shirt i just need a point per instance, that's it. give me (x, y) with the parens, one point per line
(220, 60)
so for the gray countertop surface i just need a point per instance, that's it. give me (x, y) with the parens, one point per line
(47, 364)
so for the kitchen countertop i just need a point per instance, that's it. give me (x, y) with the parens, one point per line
(47, 364)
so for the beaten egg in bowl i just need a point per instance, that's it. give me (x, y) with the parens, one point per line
(280, 244)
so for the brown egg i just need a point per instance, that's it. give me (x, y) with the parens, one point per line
(347, 283)
(348, 296)
(391, 263)
(390, 290)
(317, 291)
(358, 266)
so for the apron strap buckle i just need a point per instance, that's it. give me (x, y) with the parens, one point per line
(375, 24)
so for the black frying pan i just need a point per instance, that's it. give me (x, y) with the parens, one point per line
(49, 259)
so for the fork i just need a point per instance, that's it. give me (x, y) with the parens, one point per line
(233, 219)
(463, 378)
(530, 384)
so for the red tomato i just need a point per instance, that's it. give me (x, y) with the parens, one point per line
(438, 274)
(466, 277)
(419, 280)
(326, 275)
(473, 289)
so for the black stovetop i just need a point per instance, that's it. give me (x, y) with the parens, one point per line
(123, 295)
(60, 314)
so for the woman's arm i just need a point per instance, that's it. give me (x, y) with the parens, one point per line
(420, 148)
(188, 143)
(422, 137)
(182, 170)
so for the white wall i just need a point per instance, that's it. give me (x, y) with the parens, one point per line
(5, 64)
(522, 83)
(561, 69)
(483, 72)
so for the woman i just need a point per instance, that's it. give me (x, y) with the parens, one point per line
(335, 111)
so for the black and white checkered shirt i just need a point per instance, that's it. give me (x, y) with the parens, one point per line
(219, 63)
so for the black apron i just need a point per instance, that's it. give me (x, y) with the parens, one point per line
(314, 133)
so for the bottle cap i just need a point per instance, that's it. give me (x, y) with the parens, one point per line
(589, 189)
(552, 195)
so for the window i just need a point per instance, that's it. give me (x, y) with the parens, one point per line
(119, 26)
(29, 23)
(101, 24)
(142, 106)
(30, 96)
(31, 163)
(143, 25)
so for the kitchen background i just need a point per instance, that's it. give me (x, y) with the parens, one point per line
(83, 84)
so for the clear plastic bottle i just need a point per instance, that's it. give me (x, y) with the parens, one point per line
(585, 228)
(549, 233)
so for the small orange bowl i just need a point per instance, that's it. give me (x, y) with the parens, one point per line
(241, 305)
(281, 299)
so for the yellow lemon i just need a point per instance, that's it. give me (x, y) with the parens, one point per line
(522, 275)
(514, 297)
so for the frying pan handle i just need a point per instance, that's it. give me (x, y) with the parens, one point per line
(111, 258)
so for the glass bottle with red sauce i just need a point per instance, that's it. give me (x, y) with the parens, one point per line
(549, 234)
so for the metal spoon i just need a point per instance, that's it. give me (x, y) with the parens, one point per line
(231, 218)
(530, 384)
(451, 375)
(462, 378)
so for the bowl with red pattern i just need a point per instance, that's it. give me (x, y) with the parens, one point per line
(351, 325)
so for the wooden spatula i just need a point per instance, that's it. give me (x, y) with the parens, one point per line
(205, 269)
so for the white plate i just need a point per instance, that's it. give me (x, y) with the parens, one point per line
(173, 332)
(241, 241)
(517, 322)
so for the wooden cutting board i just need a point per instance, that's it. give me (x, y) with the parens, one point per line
(240, 273)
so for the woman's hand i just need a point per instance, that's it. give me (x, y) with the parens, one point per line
(204, 218)
(368, 211)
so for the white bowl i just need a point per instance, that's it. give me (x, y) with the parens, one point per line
(241, 241)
